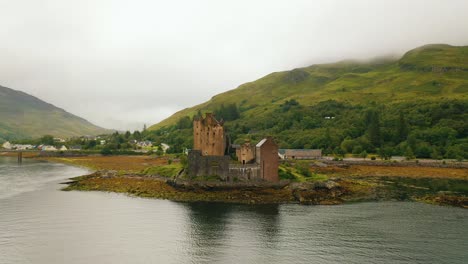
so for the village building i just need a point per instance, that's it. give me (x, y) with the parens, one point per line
(48, 148)
(165, 147)
(209, 155)
(22, 146)
(63, 148)
(300, 154)
(75, 148)
(7, 145)
(144, 144)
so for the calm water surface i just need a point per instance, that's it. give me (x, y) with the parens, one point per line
(40, 224)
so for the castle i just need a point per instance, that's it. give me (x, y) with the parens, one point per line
(209, 155)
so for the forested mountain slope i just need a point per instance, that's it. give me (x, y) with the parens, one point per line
(414, 105)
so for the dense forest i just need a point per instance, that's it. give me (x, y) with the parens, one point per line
(414, 106)
(425, 129)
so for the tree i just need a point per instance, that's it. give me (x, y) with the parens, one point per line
(338, 152)
(409, 153)
(137, 135)
(90, 144)
(436, 153)
(363, 154)
(348, 145)
(423, 150)
(47, 140)
(184, 123)
(373, 128)
(385, 153)
(288, 104)
(106, 151)
(402, 128)
(228, 113)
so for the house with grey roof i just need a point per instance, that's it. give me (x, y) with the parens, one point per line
(292, 154)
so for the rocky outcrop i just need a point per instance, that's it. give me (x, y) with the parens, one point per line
(328, 192)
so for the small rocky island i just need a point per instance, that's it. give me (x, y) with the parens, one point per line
(256, 176)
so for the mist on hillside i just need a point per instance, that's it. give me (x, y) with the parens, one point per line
(121, 64)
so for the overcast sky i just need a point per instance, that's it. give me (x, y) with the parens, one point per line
(120, 64)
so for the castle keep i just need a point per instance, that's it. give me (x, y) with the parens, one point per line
(208, 136)
(209, 155)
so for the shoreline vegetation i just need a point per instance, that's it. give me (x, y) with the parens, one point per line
(315, 182)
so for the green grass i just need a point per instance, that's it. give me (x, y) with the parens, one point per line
(165, 170)
(381, 81)
(290, 173)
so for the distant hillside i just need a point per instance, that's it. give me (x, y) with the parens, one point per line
(407, 79)
(424, 91)
(25, 116)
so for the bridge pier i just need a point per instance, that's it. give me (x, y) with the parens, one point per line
(20, 157)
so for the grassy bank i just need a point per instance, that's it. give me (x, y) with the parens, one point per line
(152, 177)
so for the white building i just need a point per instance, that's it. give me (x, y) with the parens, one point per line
(23, 147)
(144, 144)
(7, 145)
(63, 148)
(48, 148)
(165, 147)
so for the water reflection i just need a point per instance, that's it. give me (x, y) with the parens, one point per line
(206, 228)
(266, 219)
(215, 229)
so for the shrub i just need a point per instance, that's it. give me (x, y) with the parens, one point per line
(363, 154)
(106, 151)
(285, 174)
(303, 168)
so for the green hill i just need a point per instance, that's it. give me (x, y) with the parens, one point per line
(423, 91)
(25, 116)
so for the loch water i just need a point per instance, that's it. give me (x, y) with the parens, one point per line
(41, 224)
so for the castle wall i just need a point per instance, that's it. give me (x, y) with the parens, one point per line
(249, 172)
(200, 165)
(258, 162)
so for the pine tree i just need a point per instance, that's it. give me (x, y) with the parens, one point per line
(402, 128)
(409, 153)
(373, 128)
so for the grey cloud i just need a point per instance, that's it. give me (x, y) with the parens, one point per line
(122, 63)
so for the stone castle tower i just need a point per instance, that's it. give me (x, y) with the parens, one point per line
(208, 156)
(209, 136)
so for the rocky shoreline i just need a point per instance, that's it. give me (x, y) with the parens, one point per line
(330, 192)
